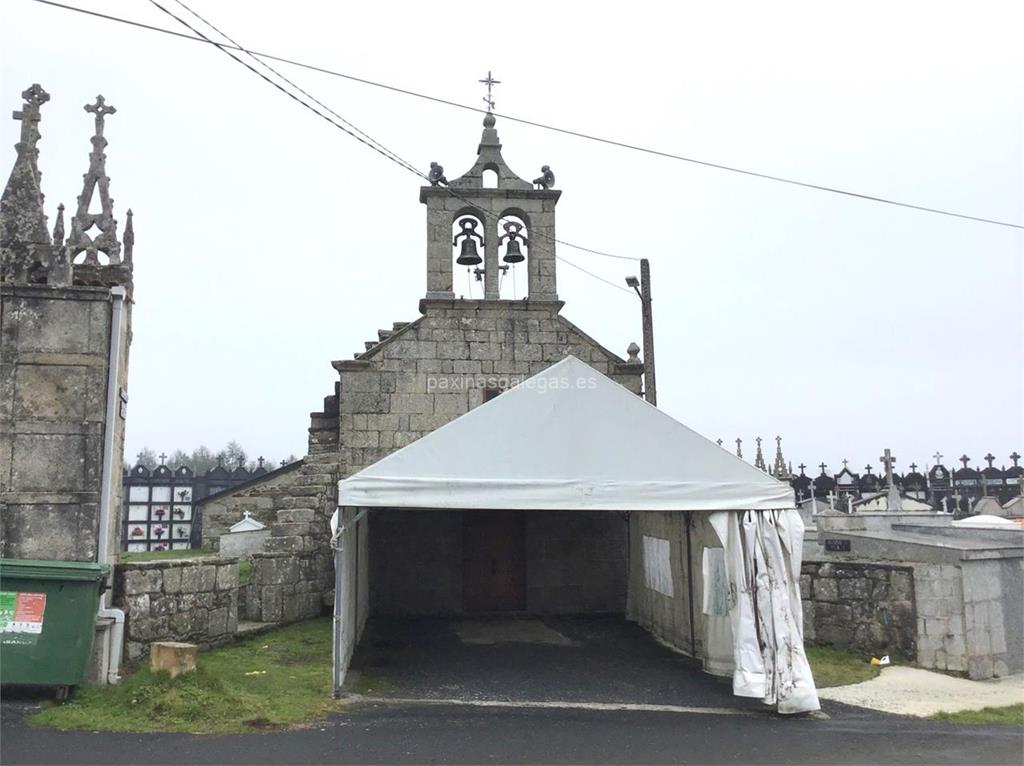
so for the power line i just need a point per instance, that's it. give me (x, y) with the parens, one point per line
(544, 126)
(369, 140)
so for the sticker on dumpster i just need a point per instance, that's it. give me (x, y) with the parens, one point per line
(22, 612)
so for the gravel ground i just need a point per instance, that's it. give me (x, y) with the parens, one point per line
(910, 691)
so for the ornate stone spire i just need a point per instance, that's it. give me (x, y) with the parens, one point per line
(82, 238)
(759, 457)
(780, 471)
(22, 218)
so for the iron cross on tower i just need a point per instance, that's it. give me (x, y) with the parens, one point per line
(490, 82)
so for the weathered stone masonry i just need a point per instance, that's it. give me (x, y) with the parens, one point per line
(193, 600)
(864, 606)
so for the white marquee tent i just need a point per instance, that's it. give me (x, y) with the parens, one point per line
(570, 438)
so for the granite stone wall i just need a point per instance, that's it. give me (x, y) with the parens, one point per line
(192, 600)
(286, 587)
(867, 607)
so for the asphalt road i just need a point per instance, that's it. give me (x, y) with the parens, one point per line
(454, 734)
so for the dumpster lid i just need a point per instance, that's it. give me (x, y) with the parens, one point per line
(53, 570)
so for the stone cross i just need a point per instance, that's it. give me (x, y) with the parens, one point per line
(800, 495)
(490, 82)
(867, 468)
(888, 460)
(1014, 457)
(34, 97)
(162, 457)
(260, 461)
(822, 466)
(938, 458)
(964, 459)
(945, 504)
(801, 467)
(739, 448)
(831, 499)
(844, 462)
(913, 467)
(101, 110)
(989, 458)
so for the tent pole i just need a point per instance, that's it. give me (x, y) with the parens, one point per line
(338, 617)
(689, 582)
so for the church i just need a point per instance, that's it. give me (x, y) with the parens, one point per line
(397, 508)
(421, 374)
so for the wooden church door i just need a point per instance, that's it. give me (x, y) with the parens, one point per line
(494, 561)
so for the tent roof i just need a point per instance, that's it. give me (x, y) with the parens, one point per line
(569, 438)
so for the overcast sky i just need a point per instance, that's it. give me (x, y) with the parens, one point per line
(268, 243)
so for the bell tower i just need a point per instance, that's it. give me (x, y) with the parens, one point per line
(509, 223)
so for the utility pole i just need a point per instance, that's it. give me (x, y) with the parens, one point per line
(643, 289)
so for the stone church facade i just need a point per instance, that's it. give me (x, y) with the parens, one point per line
(418, 376)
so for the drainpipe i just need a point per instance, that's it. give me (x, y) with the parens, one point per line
(117, 297)
(689, 583)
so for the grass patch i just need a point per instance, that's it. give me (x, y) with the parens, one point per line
(244, 571)
(1011, 715)
(270, 681)
(192, 553)
(838, 667)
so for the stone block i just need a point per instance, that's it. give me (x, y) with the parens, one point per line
(291, 529)
(206, 578)
(172, 657)
(296, 516)
(172, 580)
(825, 589)
(189, 579)
(227, 576)
(137, 581)
(218, 624)
(285, 544)
(137, 607)
(163, 604)
(270, 601)
(853, 589)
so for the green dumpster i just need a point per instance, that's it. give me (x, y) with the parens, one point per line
(47, 619)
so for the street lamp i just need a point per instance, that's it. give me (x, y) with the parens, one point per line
(643, 290)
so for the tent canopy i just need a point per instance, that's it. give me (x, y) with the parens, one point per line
(569, 438)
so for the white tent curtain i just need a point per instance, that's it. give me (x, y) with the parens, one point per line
(762, 564)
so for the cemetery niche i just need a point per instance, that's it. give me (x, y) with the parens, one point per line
(160, 505)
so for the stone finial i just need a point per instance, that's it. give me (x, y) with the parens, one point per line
(759, 457)
(633, 354)
(739, 447)
(58, 227)
(129, 237)
(96, 180)
(22, 218)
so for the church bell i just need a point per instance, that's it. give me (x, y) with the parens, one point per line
(469, 255)
(512, 252)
